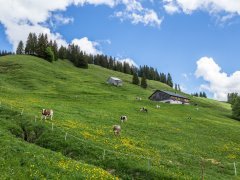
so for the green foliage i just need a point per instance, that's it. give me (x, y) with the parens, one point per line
(31, 44)
(236, 108)
(62, 53)
(126, 68)
(144, 82)
(5, 53)
(20, 48)
(49, 54)
(179, 89)
(204, 95)
(201, 94)
(169, 80)
(42, 45)
(54, 48)
(232, 97)
(135, 79)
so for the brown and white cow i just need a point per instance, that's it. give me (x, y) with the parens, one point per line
(47, 113)
(116, 129)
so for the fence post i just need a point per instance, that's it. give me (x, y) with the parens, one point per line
(104, 153)
(52, 126)
(235, 168)
(149, 164)
(66, 136)
(202, 169)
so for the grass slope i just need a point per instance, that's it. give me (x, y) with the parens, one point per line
(86, 107)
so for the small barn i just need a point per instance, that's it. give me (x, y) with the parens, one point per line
(169, 97)
(115, 81)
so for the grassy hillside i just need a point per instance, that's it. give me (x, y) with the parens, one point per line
(160, 144)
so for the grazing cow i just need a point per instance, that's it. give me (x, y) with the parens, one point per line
(123, 118)
(138, 98)
(116, 129)
(157, 106)
(143, 109)
(47, 113)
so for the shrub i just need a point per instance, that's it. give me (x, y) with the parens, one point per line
(49, 54)
(236, 108)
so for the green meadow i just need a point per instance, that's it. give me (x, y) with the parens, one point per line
(161, 144)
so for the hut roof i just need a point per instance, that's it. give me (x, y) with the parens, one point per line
(115, 78)
(171, 94)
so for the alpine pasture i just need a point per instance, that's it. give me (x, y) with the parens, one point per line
(163, 143)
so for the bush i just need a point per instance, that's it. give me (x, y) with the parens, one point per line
(236, 108)
(49, 54)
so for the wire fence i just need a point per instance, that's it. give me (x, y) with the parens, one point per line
(205, 167)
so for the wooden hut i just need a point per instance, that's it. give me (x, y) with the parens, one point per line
(115, 81)
(169, 97)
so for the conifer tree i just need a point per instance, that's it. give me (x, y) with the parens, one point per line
(236, 108)
(169, 80)
(28, 44)
(42, 45)
(135, 79)
(20, 48)
(126, 68)
(204, 95)
(179, 88)
(55, 50)
(144, 82)
(34, 44)
(232, 97)
(176, 87)
(62, 53)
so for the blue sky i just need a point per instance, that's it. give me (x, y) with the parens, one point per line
(171, 35)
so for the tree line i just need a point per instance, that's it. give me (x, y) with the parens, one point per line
(41, 46)
(234, 100)
(201, 94)
(5, 53)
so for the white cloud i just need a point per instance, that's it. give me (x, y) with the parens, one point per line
(33, 15)
(110, 3)
(16, 32)
(170, 7)
(59, 19)
(137, 14)
(212, 6)
(89, 47)
(130, 61)
(29, 16)
(219, 83)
